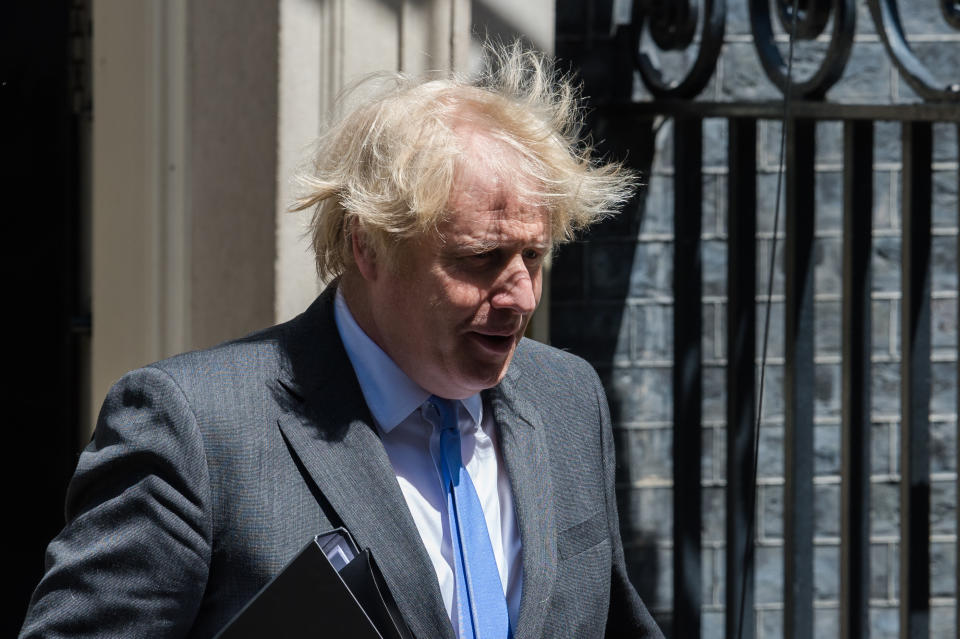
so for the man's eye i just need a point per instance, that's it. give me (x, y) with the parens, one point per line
(532, 255)
(483, 256)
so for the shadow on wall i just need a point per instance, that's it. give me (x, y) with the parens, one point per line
(591, 279)
(487, 19)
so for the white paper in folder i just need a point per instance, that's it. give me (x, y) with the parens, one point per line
(338, 548)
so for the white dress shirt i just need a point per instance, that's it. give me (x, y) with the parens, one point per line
(412, 441)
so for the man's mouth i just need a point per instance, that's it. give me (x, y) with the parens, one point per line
(497, 343)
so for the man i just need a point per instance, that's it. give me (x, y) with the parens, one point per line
(404, 404)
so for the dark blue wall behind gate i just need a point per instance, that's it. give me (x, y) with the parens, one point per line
(612, 302)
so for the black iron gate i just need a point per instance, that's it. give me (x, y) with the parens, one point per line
(581, 287)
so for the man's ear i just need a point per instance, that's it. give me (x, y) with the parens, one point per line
(364, 255)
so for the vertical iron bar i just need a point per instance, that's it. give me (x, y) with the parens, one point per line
(956, 600)
(915, 382)
(687, 376)
(741, 398)
(857, 283)
(799, 381)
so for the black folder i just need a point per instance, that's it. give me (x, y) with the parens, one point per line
(310, 598)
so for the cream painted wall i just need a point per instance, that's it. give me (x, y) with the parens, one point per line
(184, 177)
(233, 132)
(203, 113)
(140, 262)
(304, 29)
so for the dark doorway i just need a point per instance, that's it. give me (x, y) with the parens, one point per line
(44, 91)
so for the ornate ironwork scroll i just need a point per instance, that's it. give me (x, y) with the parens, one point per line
(679, 25)
(886, 15)
(672, 25)
(951, 12)
(812, 18)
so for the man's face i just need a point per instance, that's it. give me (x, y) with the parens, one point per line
(452, 311)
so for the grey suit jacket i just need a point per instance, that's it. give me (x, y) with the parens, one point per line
(209, 471)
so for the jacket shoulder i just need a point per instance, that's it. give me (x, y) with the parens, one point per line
(256, 350)
(537, 360)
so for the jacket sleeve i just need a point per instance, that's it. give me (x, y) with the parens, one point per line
(628, 616)
(133, 558)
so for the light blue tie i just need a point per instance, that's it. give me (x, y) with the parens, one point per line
(481, 606)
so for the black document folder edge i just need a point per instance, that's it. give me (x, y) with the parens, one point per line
(309, 597)
(368, 587)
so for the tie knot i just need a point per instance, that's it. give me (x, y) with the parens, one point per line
(447, 409)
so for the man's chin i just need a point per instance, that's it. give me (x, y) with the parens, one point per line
(481, 375)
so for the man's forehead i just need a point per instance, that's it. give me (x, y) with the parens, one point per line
(489, 161)
(501, 204)
(478, 229)
(494, 198)
(484, 185)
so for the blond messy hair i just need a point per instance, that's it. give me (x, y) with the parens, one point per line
(388, 166)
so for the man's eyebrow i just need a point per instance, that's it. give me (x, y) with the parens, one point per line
(480, 246)
(483, 246)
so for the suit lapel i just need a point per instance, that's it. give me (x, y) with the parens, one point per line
(329, 428)
(525, 453)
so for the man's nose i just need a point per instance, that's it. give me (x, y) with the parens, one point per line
(516, 288)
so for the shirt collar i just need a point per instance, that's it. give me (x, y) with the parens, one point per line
(389, 393)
